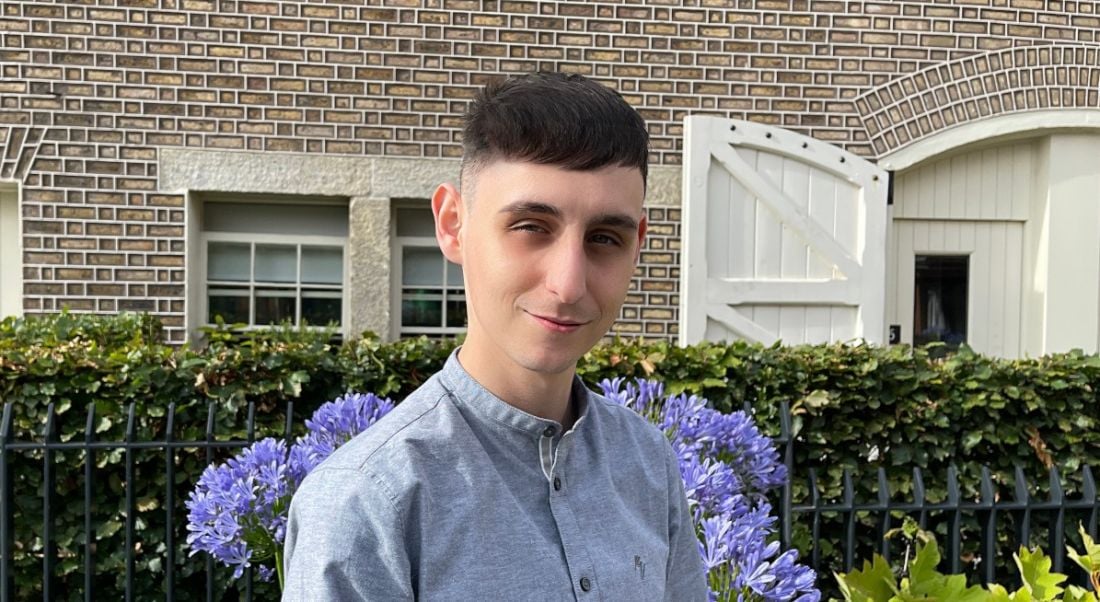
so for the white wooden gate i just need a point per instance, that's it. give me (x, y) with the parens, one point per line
(784, 237)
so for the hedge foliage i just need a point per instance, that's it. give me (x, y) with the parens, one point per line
(856, 406)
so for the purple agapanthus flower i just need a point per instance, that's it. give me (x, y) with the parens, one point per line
(238, 510)
(234, 502)
(332, 425)
(728, 467)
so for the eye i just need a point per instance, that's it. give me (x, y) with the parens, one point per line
(601, 238)
(529, 227)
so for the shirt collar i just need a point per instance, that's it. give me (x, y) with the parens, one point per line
(471, 395)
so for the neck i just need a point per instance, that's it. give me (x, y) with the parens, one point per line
(543, 394)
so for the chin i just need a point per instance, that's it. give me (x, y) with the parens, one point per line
(548, 363)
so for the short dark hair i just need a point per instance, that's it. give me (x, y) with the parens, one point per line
(549, 118)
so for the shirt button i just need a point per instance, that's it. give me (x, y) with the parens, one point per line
(549, 432)
(557, 484)
(586, 585)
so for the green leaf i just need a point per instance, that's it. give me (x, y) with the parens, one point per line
(924, 565)
(1035, 572)
(999, 594)
(1090, 560)
(1078, 594)
(873, 583)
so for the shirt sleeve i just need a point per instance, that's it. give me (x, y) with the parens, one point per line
(344, 541)
(685, 579)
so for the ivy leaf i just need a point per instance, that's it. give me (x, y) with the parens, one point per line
(1035, 572)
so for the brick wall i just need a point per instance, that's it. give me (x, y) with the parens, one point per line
(90, 90)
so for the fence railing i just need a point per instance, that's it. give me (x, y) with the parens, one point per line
(89, 447)
(994, 516)
(990, 512)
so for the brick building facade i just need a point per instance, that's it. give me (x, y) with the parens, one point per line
(135, 133)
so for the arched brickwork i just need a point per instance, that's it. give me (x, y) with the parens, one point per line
(18, 147)
(966, 90)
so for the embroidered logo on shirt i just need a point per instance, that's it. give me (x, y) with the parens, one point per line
(639, 567)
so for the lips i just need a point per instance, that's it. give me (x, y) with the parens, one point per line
(557, 324)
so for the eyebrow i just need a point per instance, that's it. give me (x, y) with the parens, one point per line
(610, 220)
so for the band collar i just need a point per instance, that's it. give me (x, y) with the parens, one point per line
(471, 395)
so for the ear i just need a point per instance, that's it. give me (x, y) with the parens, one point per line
(448, 210)
(643, 226)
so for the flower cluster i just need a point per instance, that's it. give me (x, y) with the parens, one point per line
(728, 466)
(237, 512)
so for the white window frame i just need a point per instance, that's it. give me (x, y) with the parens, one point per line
(11, 252)
(279, 239)
(450, 291)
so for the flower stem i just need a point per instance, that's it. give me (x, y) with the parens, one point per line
(279, 567)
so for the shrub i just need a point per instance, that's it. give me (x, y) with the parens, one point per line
(856, 406)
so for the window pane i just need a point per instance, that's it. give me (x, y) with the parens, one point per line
(422, 266)
(319, 308)
(454, 274)
(274, 306)
(322, 265)
(229, 303)
(422, 308)
(276, 263)
(940, 303)
(228, 261)
(415, 222)
(456, 313)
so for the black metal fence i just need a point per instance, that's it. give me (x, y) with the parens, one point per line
(993, 517)
(49, 445)
(1002, 525)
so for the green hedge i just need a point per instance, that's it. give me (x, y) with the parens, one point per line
(855, 406)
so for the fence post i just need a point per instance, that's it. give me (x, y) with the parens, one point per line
(210, 409)
(954, 520)
(1088, 493)
(883, 507)
(989, 528)
(815, 530)
(170, 504)
(251, 436)
(89, 478)
(849, 505)
(920, 497)
(129, 446)
(788, 461)
(49, 486)
(1022, 517)
(6, 511)
(1058, 524)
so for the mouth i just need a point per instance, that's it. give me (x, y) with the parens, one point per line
(555, 324)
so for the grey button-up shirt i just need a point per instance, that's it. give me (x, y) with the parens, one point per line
(457, 495)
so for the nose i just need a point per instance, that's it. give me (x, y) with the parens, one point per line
(567, 271)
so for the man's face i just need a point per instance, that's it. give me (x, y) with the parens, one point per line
(547, 256)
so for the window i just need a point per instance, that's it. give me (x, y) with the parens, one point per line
(939, 310)
(11, 264)
(266, 263)
(428, 291)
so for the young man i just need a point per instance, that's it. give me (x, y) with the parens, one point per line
(503, 477)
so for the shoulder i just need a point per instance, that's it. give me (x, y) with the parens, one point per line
(380, 454)
(618, 422)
